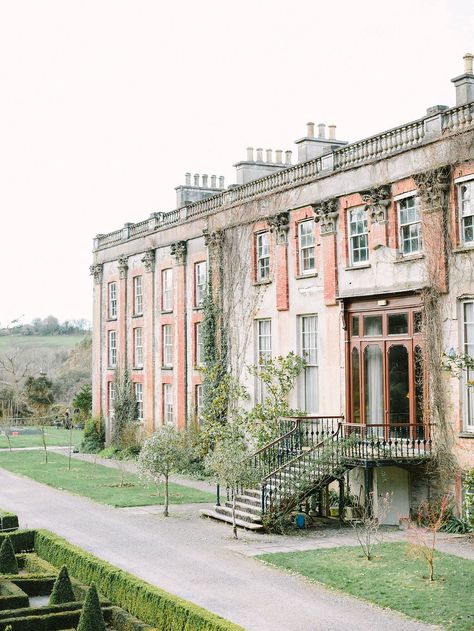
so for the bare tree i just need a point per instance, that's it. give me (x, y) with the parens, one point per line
(367, 527)
(423, 533)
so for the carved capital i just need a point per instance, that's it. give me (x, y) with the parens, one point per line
(326, 214)
(377, 202)
(214, 239)
(179, 250)
(148, 260)
(122, 266)
(96, 271)
(280, 224)
(433, 187)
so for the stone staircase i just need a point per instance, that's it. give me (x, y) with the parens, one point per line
(248, 511)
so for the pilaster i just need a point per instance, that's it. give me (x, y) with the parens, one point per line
(148, 261)
(179, 250)
(279, 226)
(122, 351)
(96, 271)
(326, 214)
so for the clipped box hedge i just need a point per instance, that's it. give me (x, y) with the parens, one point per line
(150, 604)
(48, 622)
(22, 540)
(8, 521)
(12, 596)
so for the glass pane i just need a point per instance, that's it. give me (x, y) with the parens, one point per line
(372, 325)
(398, 384)
(355, 325)
(419, 384)
(417, 322)
(310, 389)
(373, 382)
(397, 323)
(355, 386)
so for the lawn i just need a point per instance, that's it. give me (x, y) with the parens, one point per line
(66, 342)
(31, 437)
(393, 579)
(95, 481)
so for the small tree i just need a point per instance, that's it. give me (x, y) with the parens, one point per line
(164, 453)
(83, 400)
(423, 533)
(125, 407)
(62, 589)
(367, 527)
(91, 618)
(230, 465)
(8, 562)
(39, 393)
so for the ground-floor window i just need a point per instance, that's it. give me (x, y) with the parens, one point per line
(138, 387)
(168, 403)
(468, 349)
(308, 329)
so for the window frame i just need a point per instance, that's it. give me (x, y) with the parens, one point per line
(112, 348)
(138, 295)
(262, 355)
(467, 393)
(167, 345)
(168, 411)
(138, 391)
(302, 249)
(198, 347)
(357, 235)
(111, 399)
(112, 308)
(167, 296)
(198, 401)
(138, 347)
(200, 283)
(461, 215)
(402, 239)
(311, 366)
(262, 257)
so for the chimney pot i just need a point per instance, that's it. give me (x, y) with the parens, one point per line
(204, 180)
(196, 179)
(321, 130)
(259, 154)
(288, 157)
(310, 130)
(332, 132)
(221, 181)
(250, 154)
(269, 155)
(468, 65)
(278, 156)
(187, 179)
(213, 181)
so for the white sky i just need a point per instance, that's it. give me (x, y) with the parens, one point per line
(105, 104)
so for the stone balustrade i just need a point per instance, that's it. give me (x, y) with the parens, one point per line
(458, 118)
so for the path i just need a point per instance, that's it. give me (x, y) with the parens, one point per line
(195, 559)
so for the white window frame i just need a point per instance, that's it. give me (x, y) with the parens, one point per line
(262, 246)
(111, 399)
(199, 350)
(199, 401)
(409, 231)
(168, 413)
(263, 352)
(307, 249)
(466, 210)
(138, 295)
(112, 349)
(355, 236)
(138, 390)
(468, 348)
(167, 289)
(167, 342)
(112, 300)
(138, 347)
(200, 282)
(308, 345)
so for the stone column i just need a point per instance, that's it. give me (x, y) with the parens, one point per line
(326, 214)
(98, 343)
(178, 250)
(122, 359)
(149, 311)
(279, 225)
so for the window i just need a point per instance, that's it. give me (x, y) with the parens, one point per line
(200, 282)
(168, 403)
(309, 351)
(263, 256)
(199, 402)
(167, 346)
(466, 212)
(138, 347)
(410, 225)
(137, 295)
(264, 352)
(112, 300)
(468, 347)
(111, 398)
(306, 246)
(199, 350)
(112, 351)
(358, 236)
(138, 387)
(167, 290)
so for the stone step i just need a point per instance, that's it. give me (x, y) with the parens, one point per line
(256, 493)
(250, 500)
(246, 507)
(220, 517)
(242, 515)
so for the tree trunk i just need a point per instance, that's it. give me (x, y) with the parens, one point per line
(234, 525)
(166, 512)
(43, 438)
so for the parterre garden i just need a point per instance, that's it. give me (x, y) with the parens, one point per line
(47, 584)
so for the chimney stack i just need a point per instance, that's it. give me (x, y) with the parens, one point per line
(278, 156)
(221, 181)
(250, 154)
(321, 130)
(310, 130)
(259, 154)
(187, 179)
(204, 180)
(288, 157)
(213, 181)
(196, 179)
(464, 84)
(332, 132)
(268, 157)
(468, 57)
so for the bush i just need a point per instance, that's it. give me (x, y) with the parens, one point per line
(22, 540)
(91, 615)
(8, 564)
(62, 589)
(94, 436)
(8, 521)
(150, 604)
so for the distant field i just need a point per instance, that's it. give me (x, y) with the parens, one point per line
(65, 342)
(30, 437)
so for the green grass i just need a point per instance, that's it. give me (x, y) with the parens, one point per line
(55, 437)
(393, 579)
(7, 342)
(95, 481)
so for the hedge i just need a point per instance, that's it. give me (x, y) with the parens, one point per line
(34, 585)
(148, 603)
(27, 612)
(123, 621)
(48, 622)
(12, 597)
(8, 521)
(22, 540)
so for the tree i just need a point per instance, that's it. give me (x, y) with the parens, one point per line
(91, 618)
(125, 407)
(39, 394)
(83, 400)
(230, 465)
(8, 562)
(367, 527)
(62, 589)
(423, 533)
(164, 453)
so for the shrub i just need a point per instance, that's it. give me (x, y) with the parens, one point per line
(91, 615)
(94, 436)
(8, 521)
(62, 589)
(22, 540)
(8, 564)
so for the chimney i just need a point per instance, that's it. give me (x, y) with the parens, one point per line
(250, 154)
(204, 180)
(213, 181)
(196, 179)
(464, 84)
(288, 157)
(268, 157)
(310, 147)
(187, 179)
(310, 130)
(322, 131)
(278, 156)
(221, 181)
(259, 154)
(332, 132)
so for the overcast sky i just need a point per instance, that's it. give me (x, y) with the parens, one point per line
(105, 104)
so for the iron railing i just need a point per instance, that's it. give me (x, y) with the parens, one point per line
(388, 442)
